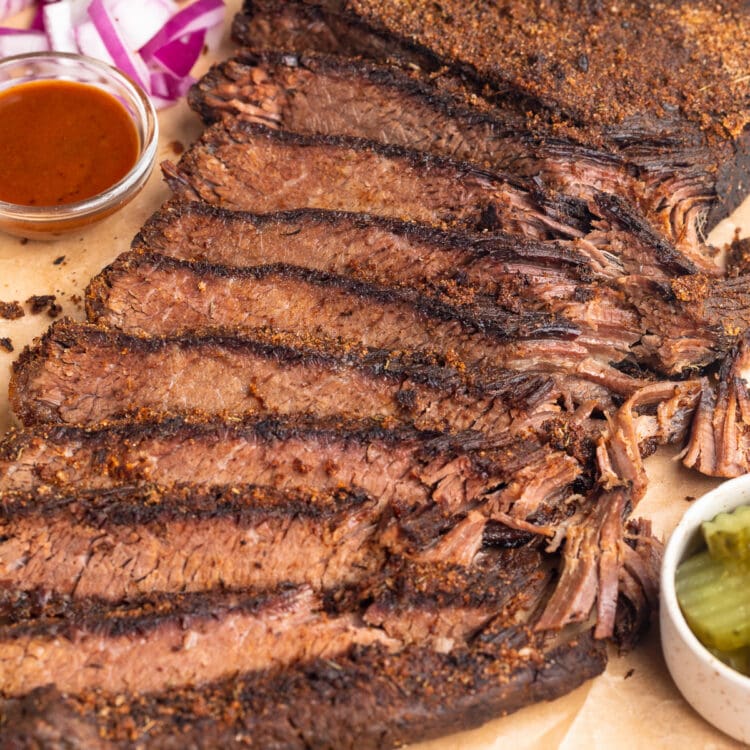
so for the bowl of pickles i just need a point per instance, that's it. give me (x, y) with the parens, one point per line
(705, 607)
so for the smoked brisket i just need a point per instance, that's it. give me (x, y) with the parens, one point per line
(83, 374)
(365, 699)
(589, 74)
(314, 94)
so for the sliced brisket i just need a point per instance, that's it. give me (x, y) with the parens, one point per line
(315, 94)
(351, 174)
(128, 542)
(403, 466)
(365, 699)
(162, 641)
(83, 374)
(593, 72)
(147, 293)
(372, 248)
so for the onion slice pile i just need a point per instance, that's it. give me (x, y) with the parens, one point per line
(152, 41)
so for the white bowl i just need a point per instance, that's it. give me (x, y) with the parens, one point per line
(717, 692)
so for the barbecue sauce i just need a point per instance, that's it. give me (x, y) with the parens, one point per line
(62, 142)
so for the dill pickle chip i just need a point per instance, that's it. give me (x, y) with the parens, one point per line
(715, 598)
(728, 535)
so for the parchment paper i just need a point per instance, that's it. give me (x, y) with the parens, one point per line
(633, 704)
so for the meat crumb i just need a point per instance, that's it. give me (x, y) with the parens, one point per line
(11, 310)
(58, 261)
(6, 344)
(629, 673)
(689, 498)
(177, 147)
(41, 302)
(54, 310)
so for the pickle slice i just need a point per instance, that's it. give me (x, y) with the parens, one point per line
(715, 598)
(728, 535)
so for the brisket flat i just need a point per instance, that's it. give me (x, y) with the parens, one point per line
(314, 94)
(375, 249)
(152, 294)
(83, 374)
(352, 174)
(160, 641)
(591, 73)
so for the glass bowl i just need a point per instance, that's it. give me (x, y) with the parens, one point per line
(46, 222)
(716, 691)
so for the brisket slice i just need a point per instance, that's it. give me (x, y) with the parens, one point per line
(594, 70)
(314, 94)
(82, 374)
(403, 466)
(128, 542)
(370, 248)
(162, 641)
(249, 167)
(364, 699)
(152, 294)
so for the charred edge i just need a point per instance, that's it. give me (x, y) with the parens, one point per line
(393, 693)
(430, 443)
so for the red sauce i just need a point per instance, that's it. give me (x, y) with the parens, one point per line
(62, 142)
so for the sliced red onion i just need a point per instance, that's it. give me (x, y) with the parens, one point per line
(11, 7)
(179, 56)
(150, 40)
(128, 62)
(58, 22)
(90, 43)
(19, 41)
(199, 16)
(136, 27)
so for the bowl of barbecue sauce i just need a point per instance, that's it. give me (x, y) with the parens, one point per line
(77, 142)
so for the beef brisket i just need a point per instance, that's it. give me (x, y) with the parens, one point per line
(127, 542)
(161, 641)
(364, 699)
(403, 466)
(83, 374)
(587, 73)
(147, 293)
(315, 94)
(374, 249)
(352, 174)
